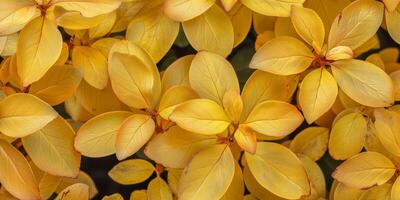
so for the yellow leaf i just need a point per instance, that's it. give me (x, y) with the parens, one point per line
(133, 134)
(391, 5)
(154, 32)
(93, 64)
(115, 196)
(14, 15)
(16, 175)
(390, 54)
(201, 116)
(262, 23)
(393, 23)
(64, 55)
(173, 179)
(18, 109)
(396, 83)
(316, 177)
(183, 10)
(104, 27)
(173, 97)
(39, 46)
(263, 38)
(355, 77)
(75, 21)
(365, 170)
(73, 192)
(177, 73)
(262, 86)
(372, 43)
(284, 27)
(387, 129)
(376, 60)
(236, 189)
(309, 26)
(343, 192)
(176, 147)
(283, 56)
(356, 24)
(52, 149)
(378, 192)
(96, 138)
(47, 183)
(246, 139)
(211, 76)
(233, 105)
(347, 135)
(257, 191)
(395, 192)
(81, 178)
(89, 8)
(275, 162)
(57, 85)
(158, 189)
(131, 171)
(274, 118)
(208, 175)
(8, 46)
(317, 93)
(272, 7)
(125, 13)
(133, 90)
(228, 4)
(312, 142)
(211, 31)
(241, 17)
(139, 195)
(340, 53)
(104, 45)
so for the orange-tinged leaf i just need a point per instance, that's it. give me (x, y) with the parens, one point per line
(317, 93)
(96, 138)
(205, 75)
(211, 31)
(158, 189)
(15, 173)
(246, 139)
(52, 149)
(183, 10)
(396, 83)
(176, 147)
(133, 134)
(39, 46)
(131, 171)
(208, 175)
(283, 56)
(201, 116)
(271, 7)
(274, 118)
(73, 192)
(228, 4)
(115, 196)
(312, 142)
(275, 162)
(365, 170)
(139, 195)
(364, 82)
(18, 109)
(395, 192)
(173, 97)
(391, 5)
(340, 53)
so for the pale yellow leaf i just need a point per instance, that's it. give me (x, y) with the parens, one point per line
(236, 189)
(89, 8)
(14, 15)
(9, 45)
(283, 56)
(173, 97)
(257, 191)
(233, 105)
(177, 73)
(272, 7)
(131, 171)
(339, 53)
(18, 109)
(104, 27)
(158, 189)
(387, 128)
(74, 21)
(241, 18)
(183, 10)
(96, 138)
(104, 45)
(74, 192)
(312, 142)
(125, 13)
(211, 31)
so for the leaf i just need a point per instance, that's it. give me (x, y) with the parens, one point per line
(309, 26)
(357, 23)
(343, 192)
(63, 56)
(52, 149)
(262, 23)
(236, 189)
(176, 147)
(16, 175)
(396, 83)
(93, 64)
(262, 86)
(274, 118)
(277, 8)
(115, 196)
(131, 171)
(211, 31)
(365, 170)
(340, 53)
(347, 135)
(47, 183)
(275, 162)
(14, 15)
(205, 76)
(153, 31)
(133, 134)
(393, 24)
(177, 73)
(39, 46)
(364, 82)
(74, 21)
(395, 192)
(96, 138)
(282, 56)
(316, 177)
(81, 178)
(201, 116)
(173, 97)
(76, 191)
(246, 139)
(89, 8)
(241, 18)
(158, 190)
(256, 190)
(183, 10)
(104, 27)
(378, 192)
(312, 142)
(57, 85)
(317, 93)
(125, 13)
(18, 109)
(139, 195)
(208, 175)
(173, 179)
(387, 129)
